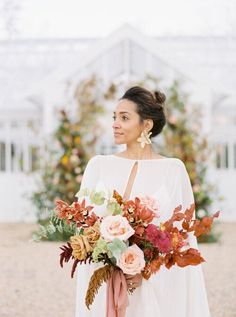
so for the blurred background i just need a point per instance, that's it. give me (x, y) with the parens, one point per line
(63, 67)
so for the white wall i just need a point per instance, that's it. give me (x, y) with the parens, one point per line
(14, 189)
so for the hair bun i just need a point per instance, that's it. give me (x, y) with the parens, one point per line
(160, 98)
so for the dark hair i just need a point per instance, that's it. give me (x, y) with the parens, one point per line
(149, 106)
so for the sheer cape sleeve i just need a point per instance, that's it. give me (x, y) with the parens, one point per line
(187, 199)
(91, 173)
(178, 292)
(197, 303)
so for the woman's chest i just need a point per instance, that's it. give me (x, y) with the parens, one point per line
(154, 183)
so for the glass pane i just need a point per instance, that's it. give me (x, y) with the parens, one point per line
(2, 156)
(234, 155)
(16, 157)
(34, 153)
(13, 157)
(226, 155)
(218, 155)
(21, 160)
(14, 124)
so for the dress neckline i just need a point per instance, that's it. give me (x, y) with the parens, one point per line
(128, 159)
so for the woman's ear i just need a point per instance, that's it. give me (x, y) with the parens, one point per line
(149, 124)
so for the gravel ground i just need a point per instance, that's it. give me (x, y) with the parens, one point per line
(33, 285)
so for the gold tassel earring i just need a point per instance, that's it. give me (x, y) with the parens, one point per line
(144, 139)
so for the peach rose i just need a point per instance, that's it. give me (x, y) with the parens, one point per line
(149, 202)
(116, 227)
(132, 260)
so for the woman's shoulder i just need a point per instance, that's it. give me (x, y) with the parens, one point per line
(94, 160)
(100, 157)
(155, 157)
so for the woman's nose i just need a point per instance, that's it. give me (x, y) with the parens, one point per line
(116, 124)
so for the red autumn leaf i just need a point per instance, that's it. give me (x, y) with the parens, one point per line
(66, 253)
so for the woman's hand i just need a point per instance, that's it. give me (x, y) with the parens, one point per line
(133, 281)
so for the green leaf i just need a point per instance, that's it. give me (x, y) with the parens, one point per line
(83, 192)
(97, 198)
(114, 208)
(100, 248)
(116, 247)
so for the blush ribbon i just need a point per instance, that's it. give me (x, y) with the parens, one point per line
(117, 296)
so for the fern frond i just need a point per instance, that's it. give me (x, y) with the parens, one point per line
(99, 276)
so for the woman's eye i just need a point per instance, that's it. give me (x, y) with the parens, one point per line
(124, 118)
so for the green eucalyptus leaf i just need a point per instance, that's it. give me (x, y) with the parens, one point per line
(83, 192)
(116, 247)
(97, 198)
(114, 208)
(101, 247)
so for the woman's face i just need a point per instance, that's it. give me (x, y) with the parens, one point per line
(127, 127)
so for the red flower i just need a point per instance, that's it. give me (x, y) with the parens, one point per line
(151, 232)
(160, 239)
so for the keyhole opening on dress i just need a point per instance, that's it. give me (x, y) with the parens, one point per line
(130, 183)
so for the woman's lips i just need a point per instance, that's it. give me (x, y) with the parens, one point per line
(117, 134)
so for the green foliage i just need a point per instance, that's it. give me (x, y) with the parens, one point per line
(97, 198)
(76, 139)
(100, 248)
(54, 230)
(62, 172)
(65, 158)
(116, 247)
(183, 139)
(114, 208)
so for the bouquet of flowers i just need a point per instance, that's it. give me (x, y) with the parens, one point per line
(126, 241)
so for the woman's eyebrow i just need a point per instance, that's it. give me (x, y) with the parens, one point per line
(122, 112)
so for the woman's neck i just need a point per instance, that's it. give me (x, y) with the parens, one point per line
(136, 152)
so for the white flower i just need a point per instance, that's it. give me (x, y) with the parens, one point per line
(201, 213)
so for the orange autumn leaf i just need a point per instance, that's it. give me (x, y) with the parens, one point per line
(139, 230)
(118, 197)
(188, 257)
(169, 260)
(177, 216)
(177, 209)
(203, 226)
(152, 267)
(189, 212)
(185, 225)
(146, 215)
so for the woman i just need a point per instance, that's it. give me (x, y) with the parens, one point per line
(138, 171)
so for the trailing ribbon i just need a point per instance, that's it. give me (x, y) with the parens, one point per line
(117, 297)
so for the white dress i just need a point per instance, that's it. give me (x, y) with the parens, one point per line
(178, 292)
